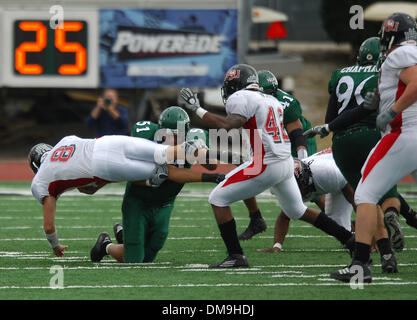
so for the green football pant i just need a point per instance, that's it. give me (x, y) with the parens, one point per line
(145, 229)
(350, 151)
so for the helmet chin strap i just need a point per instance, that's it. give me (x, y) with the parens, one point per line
(390, 43)
(43, 156)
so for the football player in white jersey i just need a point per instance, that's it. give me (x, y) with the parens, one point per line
(319, 175)
(89, 164)
(261, 116)
(395, 155)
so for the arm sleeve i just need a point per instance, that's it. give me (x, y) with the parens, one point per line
(332, 109)
(348, 118)
(39, 190)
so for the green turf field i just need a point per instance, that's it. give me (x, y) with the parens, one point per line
(180, 271)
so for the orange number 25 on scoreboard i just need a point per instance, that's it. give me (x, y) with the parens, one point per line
(41, 36)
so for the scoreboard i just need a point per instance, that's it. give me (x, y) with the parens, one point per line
(90, 46)
(38, 53)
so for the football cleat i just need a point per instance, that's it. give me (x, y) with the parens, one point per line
(232, 261)
(99, 250)
(389, 263)
(395, 233)
(118, 232)
(255, 226)
(347, 273)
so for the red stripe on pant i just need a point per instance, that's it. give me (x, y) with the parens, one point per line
(241, 176)
(258, 158)
(380, 151)
(388, 140)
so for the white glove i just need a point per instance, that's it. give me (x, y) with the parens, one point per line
(322, 130)
(191, 146)
(189, 99)
(160, 174)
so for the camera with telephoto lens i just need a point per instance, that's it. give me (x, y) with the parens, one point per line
(107, 102)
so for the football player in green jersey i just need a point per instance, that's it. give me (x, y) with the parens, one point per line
(352, 121)
(147, 210)
(295, 124)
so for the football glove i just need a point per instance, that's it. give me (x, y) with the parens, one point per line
(160, 174)
(191, 146)
(189, 99)
(384, 118)
(371, 101)
(322, 130)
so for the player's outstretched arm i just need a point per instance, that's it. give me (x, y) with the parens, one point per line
(49, 209)
(295, 132)
(282, 224)
(182, 175)
(349, 194)
(190, 101)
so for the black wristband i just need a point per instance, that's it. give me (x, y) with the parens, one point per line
(297, 138)
(212, 177)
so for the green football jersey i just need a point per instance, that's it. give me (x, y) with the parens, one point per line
(150, 196)
(350, 84)
(292, 112)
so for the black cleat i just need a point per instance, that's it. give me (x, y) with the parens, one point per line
(395, 233)
(99, 250)
(232, 261)
(412, 221)
(255, 226)
(118, 232)
(347, 273)
(389, 263)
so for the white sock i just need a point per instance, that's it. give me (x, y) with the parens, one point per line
(107, 247)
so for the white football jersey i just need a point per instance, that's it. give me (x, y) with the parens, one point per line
(391, 87)
(67, 166)
(327, 177)
(264, 126)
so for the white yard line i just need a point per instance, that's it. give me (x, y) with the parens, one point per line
(188, 285)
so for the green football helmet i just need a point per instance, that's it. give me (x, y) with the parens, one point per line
(267, 81)
(195, 134)
(369, 51)
(170, 118)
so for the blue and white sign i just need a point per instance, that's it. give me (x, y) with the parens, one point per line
(166, 48)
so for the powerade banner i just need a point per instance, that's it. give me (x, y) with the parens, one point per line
(166, 48)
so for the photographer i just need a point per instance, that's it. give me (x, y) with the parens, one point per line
(108, 117)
